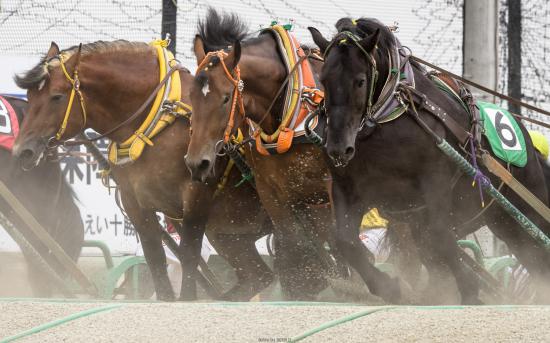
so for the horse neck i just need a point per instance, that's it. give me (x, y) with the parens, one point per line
(263, 73)
(114, 86)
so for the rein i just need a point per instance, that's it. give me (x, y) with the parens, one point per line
(134, 116)
(283, 85)
(492, 92)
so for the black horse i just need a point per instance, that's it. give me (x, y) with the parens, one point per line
(45, 192)
(397, 166)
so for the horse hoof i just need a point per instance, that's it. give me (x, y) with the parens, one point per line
(406, 292)
(392, 292)
(247, 290)
(166, 297)
(473, 300)
(187, 297)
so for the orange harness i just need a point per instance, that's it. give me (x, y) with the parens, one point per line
(237, 91)
(302, 96)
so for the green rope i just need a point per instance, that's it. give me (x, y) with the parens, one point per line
(338, 321)
(361, 314)
(513, 211)
(60, 321)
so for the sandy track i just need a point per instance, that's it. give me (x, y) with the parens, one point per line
(263, 322)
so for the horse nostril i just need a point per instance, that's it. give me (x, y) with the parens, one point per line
(350, 150)
(26, 155)
(203, 166)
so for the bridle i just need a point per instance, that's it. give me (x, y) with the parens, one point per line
(344, 38)
(238, 83)
(75, 89)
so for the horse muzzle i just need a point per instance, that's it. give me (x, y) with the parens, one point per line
(341, 157)
(29, 153)
(199, 168)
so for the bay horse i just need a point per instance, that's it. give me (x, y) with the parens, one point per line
(396, 164)
(289, 183)
(114, 80)
(45, 192)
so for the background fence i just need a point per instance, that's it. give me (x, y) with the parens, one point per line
(433, 29)
(535, 54)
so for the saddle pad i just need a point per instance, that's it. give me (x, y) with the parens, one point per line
(9, 125)
(503, 133)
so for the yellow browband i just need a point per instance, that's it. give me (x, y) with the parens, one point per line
(157, 119)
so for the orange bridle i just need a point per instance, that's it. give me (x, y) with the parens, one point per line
(237, 91)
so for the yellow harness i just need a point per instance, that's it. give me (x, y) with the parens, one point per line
(159, 117)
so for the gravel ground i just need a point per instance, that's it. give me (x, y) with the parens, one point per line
(20, 316)
(202, 322)
(480, 324)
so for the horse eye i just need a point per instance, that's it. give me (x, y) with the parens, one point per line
(56, 97)
(225, 99)
(360, 83)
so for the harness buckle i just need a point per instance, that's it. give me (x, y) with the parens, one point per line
(399, 98)
(219, 148)
(52, 143)
(366, 121)
(240, 86)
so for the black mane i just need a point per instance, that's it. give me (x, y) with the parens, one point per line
(218, 31)
(367, 26)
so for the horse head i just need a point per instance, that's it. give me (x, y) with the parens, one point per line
(87, 86)
(49, 94)
(350, 82)
(216, 96)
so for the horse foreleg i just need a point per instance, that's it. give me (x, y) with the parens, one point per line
(196, 208)
(253, 274)
(148, 228)
(349, 211)
(439, 238)
(189, 253)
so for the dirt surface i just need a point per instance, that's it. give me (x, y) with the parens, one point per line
(272, 322)
(13, 274)
(20, 316)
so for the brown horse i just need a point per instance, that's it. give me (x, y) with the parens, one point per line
(288, 184)
(114, 79)
(47, 195)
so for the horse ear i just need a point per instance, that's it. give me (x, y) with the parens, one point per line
(198, 48)
(53, 51)
(368, 43)
(318, 38)
(234, 56)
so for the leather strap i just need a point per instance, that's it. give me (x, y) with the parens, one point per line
(137, 113)
(485, 89)
(422, 102)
